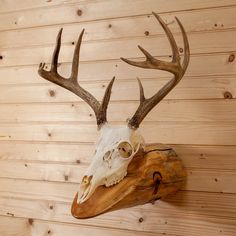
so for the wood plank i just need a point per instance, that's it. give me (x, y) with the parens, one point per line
(42, 171)
(217, 64)
(95, 10)
(172, 222)
(39, 190)
(12, 226)
(211, 181)
(207, 133)
(194, 88)
(209, 42)
(169, 110)
(71, 153)
(198, 179)
(194, 21)
(18, 5)
(211, 157)
(216, 157)
(187, 202)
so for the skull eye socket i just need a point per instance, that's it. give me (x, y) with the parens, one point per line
(125, 149)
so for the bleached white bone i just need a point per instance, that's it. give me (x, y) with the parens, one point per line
(114, 150)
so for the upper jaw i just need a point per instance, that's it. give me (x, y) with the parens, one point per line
(115, 179)
(85, 189)
(83, 194)
(90, 183)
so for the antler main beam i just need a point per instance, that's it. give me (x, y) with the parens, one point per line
(175, 67)
(71, 83)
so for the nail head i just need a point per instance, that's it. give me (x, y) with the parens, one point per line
(140, 219)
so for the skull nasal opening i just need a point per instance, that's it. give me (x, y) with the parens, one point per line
(86, 180)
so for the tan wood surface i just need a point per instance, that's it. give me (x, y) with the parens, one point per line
(47, 134)
(125, 27)
(201, 42)
(95, 10)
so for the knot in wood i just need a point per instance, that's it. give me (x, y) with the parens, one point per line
(79, 12)
(31, 221)
(228, 95)
(52, 93)
(231, 58)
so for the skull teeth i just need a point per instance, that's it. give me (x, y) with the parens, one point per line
(115, 181)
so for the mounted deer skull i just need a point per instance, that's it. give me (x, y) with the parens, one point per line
(119, 146)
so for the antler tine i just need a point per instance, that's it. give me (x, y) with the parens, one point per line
(71, 83)
(174, 67)
(105, 102)
(141, 91)
(56, 52)
(75, 62)
(174, 48)
(186, 46)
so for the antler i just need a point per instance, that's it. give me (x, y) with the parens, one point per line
(71, 83)
(173, 67)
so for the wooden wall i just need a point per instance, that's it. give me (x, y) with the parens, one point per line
(47, 133)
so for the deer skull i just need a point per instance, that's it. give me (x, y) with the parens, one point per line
(114, 151)
(117, 146)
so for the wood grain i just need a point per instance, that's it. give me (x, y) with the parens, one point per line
(97, 10)
(198, 179)
(47, 134)
(213, 19)
(208, 42)
(20, 226)
(173, 222)
(217, 66)
(193, 156)
(168, 110)
(194, 133)
(18, 5)
(195, 88)
(187, 202)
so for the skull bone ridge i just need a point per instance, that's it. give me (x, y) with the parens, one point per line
(116, 147)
